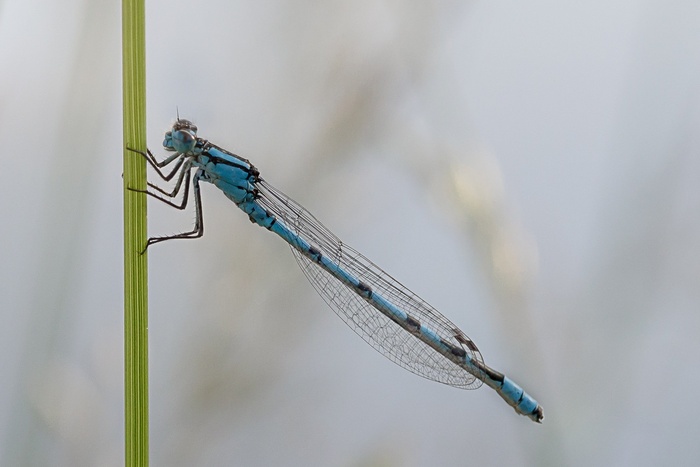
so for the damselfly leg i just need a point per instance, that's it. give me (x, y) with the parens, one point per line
(182, 167)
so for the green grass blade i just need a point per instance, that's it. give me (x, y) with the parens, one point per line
(135, 264)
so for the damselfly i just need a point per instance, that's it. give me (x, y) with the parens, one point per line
(387, 315)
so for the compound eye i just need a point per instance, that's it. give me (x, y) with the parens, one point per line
(183, 124)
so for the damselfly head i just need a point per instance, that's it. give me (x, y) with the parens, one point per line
(182, 124)
(182, 138)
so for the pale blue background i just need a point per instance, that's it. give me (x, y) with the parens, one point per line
(530, 168)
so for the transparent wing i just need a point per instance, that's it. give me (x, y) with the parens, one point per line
(373, 326)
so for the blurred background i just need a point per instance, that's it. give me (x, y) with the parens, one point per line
(530, 168)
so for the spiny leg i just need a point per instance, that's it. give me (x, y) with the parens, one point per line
(182, 167)
(150, 158)
(185, 174)
(198, 229)
(185, 171)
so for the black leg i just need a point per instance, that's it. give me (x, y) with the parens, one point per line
(185, 171)
(198, 229)
(150, 158)
(182, 167)
(184, 174)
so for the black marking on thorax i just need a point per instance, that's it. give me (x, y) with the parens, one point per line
(252, 171)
